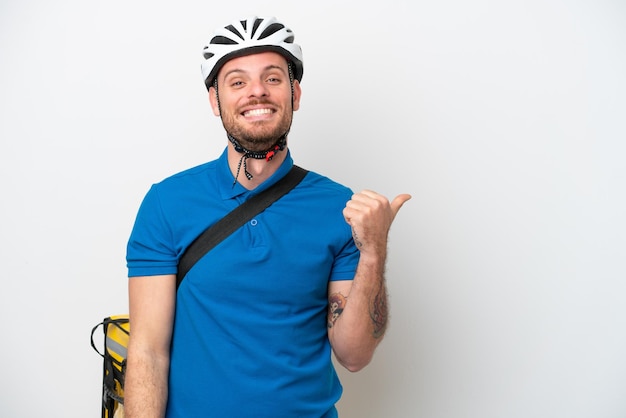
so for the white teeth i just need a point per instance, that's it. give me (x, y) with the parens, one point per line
(257, 112)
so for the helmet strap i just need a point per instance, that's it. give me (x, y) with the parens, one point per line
(257, 155)
(290, 71)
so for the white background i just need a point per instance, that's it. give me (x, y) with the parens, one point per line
(504, 119)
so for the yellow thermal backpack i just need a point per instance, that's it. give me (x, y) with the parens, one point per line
(116, 332)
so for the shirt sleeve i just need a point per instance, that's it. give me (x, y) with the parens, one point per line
(345, 263)
(150, 250)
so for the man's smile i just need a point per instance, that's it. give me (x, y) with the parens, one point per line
(257, 112)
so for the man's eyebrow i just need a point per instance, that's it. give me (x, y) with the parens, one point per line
(268, 68)
(234, 70)
(274, 67)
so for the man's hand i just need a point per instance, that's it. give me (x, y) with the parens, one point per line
(370, 215)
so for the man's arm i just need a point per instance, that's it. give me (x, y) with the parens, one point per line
(152, 300)
(358, 309)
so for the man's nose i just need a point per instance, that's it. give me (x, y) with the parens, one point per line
(258, 88)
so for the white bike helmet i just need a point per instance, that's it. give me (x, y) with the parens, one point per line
(250, 36)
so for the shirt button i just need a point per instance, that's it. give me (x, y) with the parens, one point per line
(253, 222)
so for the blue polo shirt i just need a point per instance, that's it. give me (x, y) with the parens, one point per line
(250, 336)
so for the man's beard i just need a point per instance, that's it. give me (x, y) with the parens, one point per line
(258, 137)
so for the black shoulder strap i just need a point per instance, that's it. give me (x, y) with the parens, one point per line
(235, 219)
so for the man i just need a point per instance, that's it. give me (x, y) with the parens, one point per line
(250, 330)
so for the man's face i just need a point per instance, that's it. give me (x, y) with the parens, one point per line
(255, 99)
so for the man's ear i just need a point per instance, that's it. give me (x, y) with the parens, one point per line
(213, 101)
(297, 93)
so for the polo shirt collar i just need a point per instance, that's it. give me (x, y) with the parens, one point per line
(225, 178)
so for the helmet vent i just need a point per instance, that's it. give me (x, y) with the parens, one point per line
(235, 31)
(271, 29)
(256, 25)
(222, 40)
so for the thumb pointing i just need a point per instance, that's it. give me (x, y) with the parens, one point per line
(397, 203)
